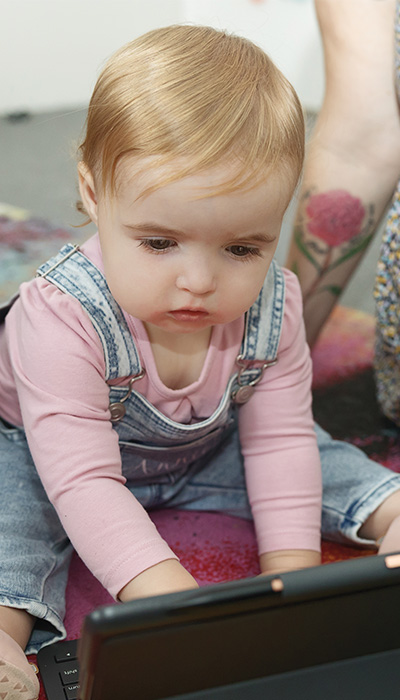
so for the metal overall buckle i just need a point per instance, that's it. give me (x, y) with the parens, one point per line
(243, 392)
(118, 409)
(70, 253)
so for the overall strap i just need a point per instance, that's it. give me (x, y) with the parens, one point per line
(263, 327)
(73, 273)
(264, 318)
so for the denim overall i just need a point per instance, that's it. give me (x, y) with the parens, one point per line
(196, 466)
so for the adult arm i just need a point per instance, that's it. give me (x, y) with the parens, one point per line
(353, 158)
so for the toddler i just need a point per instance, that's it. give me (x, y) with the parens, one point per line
(164, 363)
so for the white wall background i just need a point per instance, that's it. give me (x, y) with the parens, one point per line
(286, 29)
(52, 50)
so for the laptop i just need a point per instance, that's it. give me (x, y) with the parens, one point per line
(325, 633)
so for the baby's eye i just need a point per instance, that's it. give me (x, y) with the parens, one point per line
(243, 251)
(158, 245)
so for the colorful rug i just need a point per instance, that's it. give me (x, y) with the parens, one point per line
(215, 547)
(25, 242)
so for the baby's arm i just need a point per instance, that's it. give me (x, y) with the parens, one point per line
(166, 577)
(279, 445)
(58, 364)
(288, 560)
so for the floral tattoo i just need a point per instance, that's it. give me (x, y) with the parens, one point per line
(342, 226)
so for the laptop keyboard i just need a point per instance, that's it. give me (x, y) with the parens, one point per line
(59, 670)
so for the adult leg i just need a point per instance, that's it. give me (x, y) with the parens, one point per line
(356, 137)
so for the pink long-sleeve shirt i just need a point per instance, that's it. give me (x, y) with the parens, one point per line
(52, 382)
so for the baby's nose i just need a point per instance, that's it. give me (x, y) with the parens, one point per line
(198, 277)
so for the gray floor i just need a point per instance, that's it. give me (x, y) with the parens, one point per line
(38, 173)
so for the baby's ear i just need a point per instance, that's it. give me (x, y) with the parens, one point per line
(87, 191)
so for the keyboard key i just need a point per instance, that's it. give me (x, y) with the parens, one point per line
(63, 655)
(69, 673)
(71, 691)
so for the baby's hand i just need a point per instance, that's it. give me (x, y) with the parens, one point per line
(166, 577)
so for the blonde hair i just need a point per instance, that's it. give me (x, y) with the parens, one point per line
(197, 94)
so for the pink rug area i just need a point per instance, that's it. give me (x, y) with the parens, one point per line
(344, 348)
(213, 547)
(344, 387)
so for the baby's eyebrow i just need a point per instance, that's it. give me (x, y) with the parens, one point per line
(159, 229)
(149, 227)
(259, 238)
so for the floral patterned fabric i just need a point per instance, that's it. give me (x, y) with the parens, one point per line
(387, 296)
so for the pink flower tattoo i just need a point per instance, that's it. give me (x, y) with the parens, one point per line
(344, 226)
(335, 217)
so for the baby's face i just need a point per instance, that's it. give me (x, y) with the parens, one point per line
(180, 263)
